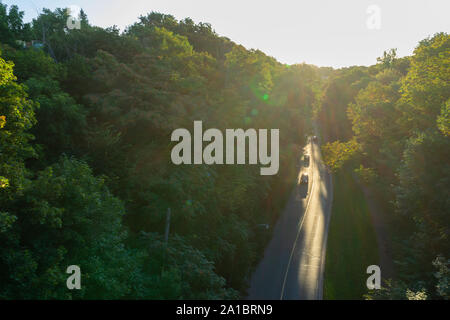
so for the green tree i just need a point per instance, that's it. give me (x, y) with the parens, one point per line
(66, 217)
(17, 117)
(426, 87)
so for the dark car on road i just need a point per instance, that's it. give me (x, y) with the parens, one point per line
(304, 178)
(306, 159)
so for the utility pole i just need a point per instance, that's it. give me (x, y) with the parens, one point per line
(166, 238)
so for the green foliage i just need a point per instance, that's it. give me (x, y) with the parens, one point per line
(113, 100)
(427, 85)
(399, 290)
(201, 36)
(388, 58)
(17, 116)
(399, 117)
(422, 199)
(366, 175)
(62, 122)
(32, 63)
(336, 154)
(12, 27)
(443, 277)
(64, 217)
(443, 120)
(183, 272)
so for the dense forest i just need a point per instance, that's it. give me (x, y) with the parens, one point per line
(388, 125)
(86, 176)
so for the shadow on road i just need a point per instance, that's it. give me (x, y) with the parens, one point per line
(301, 191)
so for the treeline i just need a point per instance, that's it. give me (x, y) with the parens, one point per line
(85, 171)
(389, 124)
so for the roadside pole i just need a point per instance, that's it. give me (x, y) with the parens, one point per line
(166, 238)
(166, 234)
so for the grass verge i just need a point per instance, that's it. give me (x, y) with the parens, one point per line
(351, 245)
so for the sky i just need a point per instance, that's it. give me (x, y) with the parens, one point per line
(321, 32)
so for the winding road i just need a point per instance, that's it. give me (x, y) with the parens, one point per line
(294, 260)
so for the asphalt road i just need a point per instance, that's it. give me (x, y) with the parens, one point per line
(294, 260)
